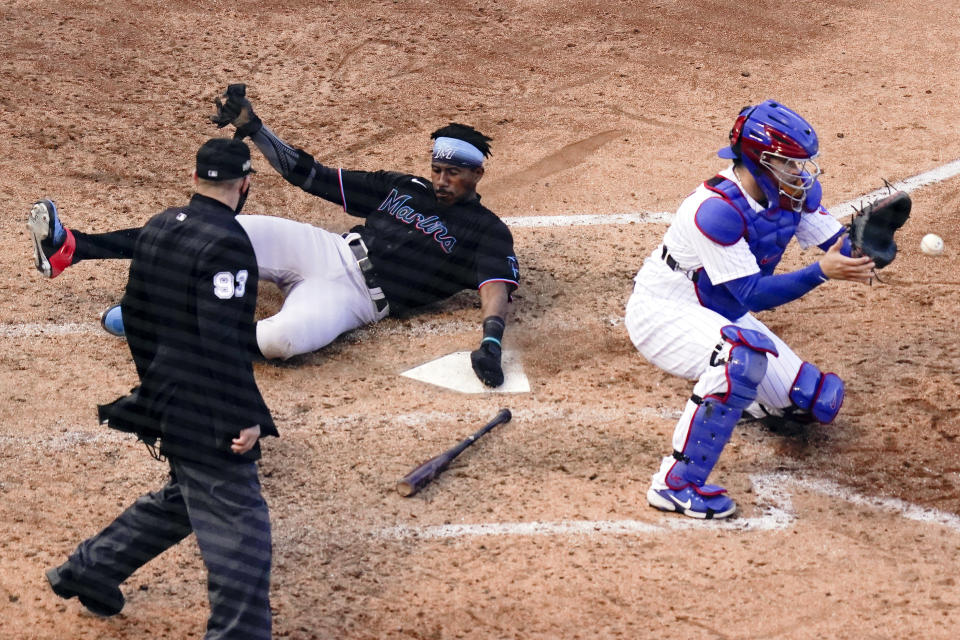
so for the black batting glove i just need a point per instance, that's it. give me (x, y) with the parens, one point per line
(486, 359)
(236, 110)
(486, 364)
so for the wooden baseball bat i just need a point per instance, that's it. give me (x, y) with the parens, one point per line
(426, 472)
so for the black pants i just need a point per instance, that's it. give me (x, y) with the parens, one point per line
(226, 510)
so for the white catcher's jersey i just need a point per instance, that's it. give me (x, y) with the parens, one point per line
(665, 318)
(693, 250)
(324, 290)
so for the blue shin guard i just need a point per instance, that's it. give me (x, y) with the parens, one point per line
(744, 358)
(687, 491)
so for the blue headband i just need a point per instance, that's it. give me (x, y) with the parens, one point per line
(457, 152)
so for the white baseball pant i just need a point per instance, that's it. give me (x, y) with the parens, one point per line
(324, 291)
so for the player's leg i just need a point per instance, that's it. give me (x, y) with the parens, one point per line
(793, 388)
(53, 244)
(55, 247)
(313, 314)
(688, 340)
(673, 335)
(324, 292)
(728, 385)
(232, 524)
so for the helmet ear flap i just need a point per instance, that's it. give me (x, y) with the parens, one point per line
(736, 133)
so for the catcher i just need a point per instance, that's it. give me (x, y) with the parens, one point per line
(691, 311)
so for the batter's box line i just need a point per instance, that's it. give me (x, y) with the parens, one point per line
(772, 491)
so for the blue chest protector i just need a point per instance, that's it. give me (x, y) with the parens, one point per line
(767, 233)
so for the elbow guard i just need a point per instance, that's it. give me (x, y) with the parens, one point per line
(301, 172)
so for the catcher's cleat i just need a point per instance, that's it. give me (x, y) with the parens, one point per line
(53, 244)
(709, 502)
(112, 321)
(102, 600)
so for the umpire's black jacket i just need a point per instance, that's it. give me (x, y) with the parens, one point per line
(188, 313)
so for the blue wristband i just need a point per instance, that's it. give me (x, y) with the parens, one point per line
(491, 339)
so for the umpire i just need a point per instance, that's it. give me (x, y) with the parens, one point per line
(188, 310)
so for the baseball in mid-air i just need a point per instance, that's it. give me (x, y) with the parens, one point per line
(932, 244)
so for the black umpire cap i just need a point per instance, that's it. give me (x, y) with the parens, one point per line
(223, 159)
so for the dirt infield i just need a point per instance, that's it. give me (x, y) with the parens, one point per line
(541, 530)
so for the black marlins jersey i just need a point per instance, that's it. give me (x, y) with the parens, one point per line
(423, 251)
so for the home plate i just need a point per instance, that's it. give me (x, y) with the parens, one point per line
(454, 371)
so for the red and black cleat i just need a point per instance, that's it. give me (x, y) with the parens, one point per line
(53, 244)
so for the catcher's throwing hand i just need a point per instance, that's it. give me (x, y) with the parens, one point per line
(245, 441)
(837, 266)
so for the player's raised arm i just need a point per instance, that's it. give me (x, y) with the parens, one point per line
(296, 165)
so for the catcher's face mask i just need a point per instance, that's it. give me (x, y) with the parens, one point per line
(794, 176)
(777, 147)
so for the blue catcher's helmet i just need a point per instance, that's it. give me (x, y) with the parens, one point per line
(778, 148)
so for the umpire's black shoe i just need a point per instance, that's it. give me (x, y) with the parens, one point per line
(102, 600)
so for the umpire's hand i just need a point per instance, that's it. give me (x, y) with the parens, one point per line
(486, 364)
(245, 441)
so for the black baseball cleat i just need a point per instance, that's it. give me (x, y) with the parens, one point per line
(102, 600)
(53, 243)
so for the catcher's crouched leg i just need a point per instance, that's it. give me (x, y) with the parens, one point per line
(813, 397)
(729, 386)
(817, 394)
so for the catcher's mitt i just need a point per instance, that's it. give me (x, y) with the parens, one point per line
(872, 228)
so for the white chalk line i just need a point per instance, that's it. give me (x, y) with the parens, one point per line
(772, 490)
(34, 329)
(437, 328)
(74, 435)
(773, 498)
(587, 220)
(591, 415)
(427, 328)
(842, 210)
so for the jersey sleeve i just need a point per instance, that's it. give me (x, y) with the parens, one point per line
(362, 193)
(359, 193)
(709, 232)
(496, 261)
(356, 191)
(817, 227)
(759, 293)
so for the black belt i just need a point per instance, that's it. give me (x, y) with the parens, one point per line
(362, 257)
(676, 267)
